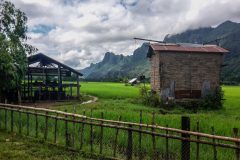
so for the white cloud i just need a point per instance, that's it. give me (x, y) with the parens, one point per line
(83, 30)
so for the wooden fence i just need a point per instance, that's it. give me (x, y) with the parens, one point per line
(118, 139)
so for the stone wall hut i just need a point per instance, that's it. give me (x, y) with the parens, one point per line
(185, 70)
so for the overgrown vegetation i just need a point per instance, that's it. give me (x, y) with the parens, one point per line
(13, 48)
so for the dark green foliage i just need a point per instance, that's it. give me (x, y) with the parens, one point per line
(149, 97)
(13, 47)
(214, 100)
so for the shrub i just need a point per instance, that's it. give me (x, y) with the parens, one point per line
(213, 100)
(149, 97)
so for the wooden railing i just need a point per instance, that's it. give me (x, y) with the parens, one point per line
(118, 139)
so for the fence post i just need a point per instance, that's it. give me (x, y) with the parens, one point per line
(130, 143)
(5, 118)
(185, 155)
(167, 145)
(66, 130)
(74, 126)
(153, 137)
(11, 120)
(36, 125)
(235, 132)
(82, 132)
(27, 123)
(116, 137)
(20, 121)
(140, 137)
(198, 138)
(101, 135)
(214, 147)
(91, 132)
(46, 126)
(55, 129)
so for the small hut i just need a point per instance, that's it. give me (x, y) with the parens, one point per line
(44, 79)
(185, 70)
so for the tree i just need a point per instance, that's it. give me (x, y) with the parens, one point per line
(13, 48)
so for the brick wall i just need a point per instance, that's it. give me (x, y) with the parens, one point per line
(188, 70)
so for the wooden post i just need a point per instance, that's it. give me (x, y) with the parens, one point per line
(167, 145)
(59, 82)
(20, 122)
(74, 127)
(36, 125)
(153, 137)
(55, 129)
(185, 144)
(31, 88)
(116, 137)
(5, 120)
(82, 132)
(214, 147)
(140, 138)
(130, 144)
(11, 120)
(27, 124)
(101, 135)
(78, 87)
(198, 138)
(66, 130)
(46, 126)
(91, 133)
(235, 132)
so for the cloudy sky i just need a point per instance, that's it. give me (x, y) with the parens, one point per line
(79, 32)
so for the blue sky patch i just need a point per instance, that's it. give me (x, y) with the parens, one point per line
(44, 29)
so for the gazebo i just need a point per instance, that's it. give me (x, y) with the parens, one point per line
(44, 79)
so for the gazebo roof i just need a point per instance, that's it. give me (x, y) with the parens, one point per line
(45, 61)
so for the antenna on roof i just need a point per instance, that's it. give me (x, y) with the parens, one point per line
(150, 40)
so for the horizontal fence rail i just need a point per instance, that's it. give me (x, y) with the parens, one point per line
(116, 138)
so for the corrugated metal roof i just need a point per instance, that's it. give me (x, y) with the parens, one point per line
(188, 48)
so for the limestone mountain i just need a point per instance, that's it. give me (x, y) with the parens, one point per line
(113, 67)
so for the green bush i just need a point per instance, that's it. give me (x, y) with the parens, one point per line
(213, 100)
(149, 97)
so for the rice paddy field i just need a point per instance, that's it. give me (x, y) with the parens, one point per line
(116, 99)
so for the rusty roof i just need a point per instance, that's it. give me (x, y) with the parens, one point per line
(188, 48)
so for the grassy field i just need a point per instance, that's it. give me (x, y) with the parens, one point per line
(116, 99)
(13, 147)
